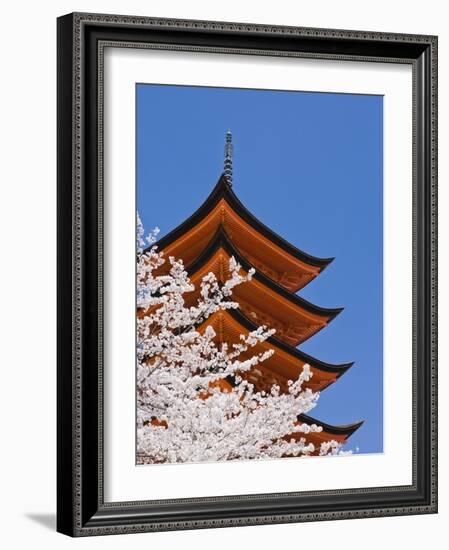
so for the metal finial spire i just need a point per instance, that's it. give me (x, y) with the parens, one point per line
(228, 157)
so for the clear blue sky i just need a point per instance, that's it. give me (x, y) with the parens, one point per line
(308, 165)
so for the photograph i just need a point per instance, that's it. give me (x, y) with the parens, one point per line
(223, 218)
(259, 276)
(247, 289)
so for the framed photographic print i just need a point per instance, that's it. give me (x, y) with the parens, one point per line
(247, 244)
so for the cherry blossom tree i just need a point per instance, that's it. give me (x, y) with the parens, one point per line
(184, 411)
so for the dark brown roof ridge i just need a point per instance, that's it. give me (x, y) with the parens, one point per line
(339, 369)
(221, 238)
(224, 190)
(342, 429)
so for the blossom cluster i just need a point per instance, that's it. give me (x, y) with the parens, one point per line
(194, 402)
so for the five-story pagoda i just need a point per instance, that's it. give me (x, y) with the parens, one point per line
(222, 228)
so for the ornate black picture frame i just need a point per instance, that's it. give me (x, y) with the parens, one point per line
(81, 510)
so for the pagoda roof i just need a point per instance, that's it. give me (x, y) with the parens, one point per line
(329, 432)
(345, 430)
(292, 267)
(339, 433)
(342, 430)
(285, 364)
(294, 318)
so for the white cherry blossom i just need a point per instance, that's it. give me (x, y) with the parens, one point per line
(184, 411)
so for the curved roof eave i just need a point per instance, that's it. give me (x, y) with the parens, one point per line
(223, 190)
(243, 320)
(343, 429)
(222, 239)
